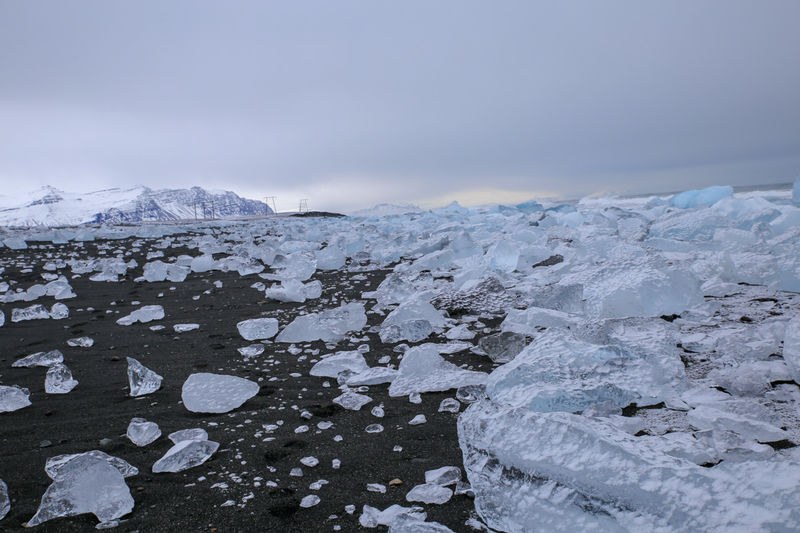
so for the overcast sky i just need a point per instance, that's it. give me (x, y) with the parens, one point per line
(353, 103)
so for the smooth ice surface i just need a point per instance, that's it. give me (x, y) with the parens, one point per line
(429, 493)
(331, 365)
(791, 346)
(352, 400)
(372, 376)
(560, 372)
(564, 472)
(5, 502)
(85, 484)
(502, 347)
(13, 398)
(444, 476)
(258, 328)
(372, 517)
(55, 464)
(186, 454)
(141, 379)
(59, 379)
(183, 328)
(216, 393)
(44, 359)
(188, 434)
(141, 432)
(703, 197)
(330, 325)
(144, 314)
(424, 370)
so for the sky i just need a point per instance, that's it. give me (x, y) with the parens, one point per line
(353, 103)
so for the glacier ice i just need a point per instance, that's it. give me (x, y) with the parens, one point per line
(258, 328)
(141, 432)
(424, 370)
(185, 454)
(13, 397)
(86, 483)
(45, 359)
(141, 380)
(59, 379)
(330, 325)
(144, 314)
(216, 393)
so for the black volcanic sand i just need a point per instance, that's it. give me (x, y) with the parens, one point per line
(100, 407)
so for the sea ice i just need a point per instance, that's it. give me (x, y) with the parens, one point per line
(186, 454)
(59, 379)
(141, 432)
(85, 484)
(424, 370)
(45, 359)
(141, 379)
(144, 314)
(330, 325)
(216, 393)
(13, 398)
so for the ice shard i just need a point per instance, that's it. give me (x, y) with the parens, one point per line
(186, 454)
(216, 393)
(13, 398)
(45, 359)
(144, 314)
(59, 379)
(330, 325)
(141, 432)
(141, 379)
(424, 370)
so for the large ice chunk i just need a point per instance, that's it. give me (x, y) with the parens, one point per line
(258, 328)
(330, 325)
(59, 379)
(503, 256)
(330, 366)
(34, 312)
(791, 345)
(144, 314)
(424, 370)
(703, 197)
(372, 376)
(141, 432)
(13, 398)
(292, 290)
(562, 472)
(85, 484)
(216, 393)
(45, 359)
(186, 454)
(560, 372)
(141, 379)
(429, 493)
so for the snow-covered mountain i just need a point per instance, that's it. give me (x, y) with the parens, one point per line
(53, 207)
(382, 210)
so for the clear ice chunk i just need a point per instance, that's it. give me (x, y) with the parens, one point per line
(81, 342)
(59, 379)
(309, 501)
(85, 484)
(183, 328)
(330, 326)
(59, 311)
(34, 312)
(258, 328)
(444, 476)
(372, 376)
(251, 350)
(216, 393)
(449, 405)
(13, 397)
(413, 330)
(188, 434)
(503, 347)
(141, 432)
(55, 464)
(352, 400)
(331, 365)
(141, 379)
(424, 370)
(429, 493)
(45, 359)
(186, 454)
(144, 314)
(372, 517)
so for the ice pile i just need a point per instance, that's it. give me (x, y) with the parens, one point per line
(216, 393)
(141, 380)
(144, 314)
(330, 325)
(90, 482)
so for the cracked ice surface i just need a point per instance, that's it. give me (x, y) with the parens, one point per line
(59, 379)
(216, 393)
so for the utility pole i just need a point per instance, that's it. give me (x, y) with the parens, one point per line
(303, 205)
(194, 204)
(274, 208)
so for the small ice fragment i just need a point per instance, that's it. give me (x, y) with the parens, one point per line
(252, 350)
(141, 379)
(309, 501)
(503, 347)
(376, 487)
(45, 359)
(471, 393)
(330, 366)
(429, 493)
(424, 370)
(460, 333)
(34, 312)
(301, 429)
(144, 314)
(185, 454)
(378, 411)
(415, 397)
(336, 464)
(258, 328)
(417, 420)
(59, 311)
(198, 434)
(352, 400)
(324, 424)
(397, 448)
(449, 405)
(296, 472)
(141, 432)
(374, 428)
(216, 393)
(446, 475)
(59, 379)
(81, 342)
(182, 328)
(310, 461)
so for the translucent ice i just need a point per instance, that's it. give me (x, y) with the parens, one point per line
(55, 464)
(183, 328)
(791, 343)
(330, 258)
(352, 400)
(141, 432)
(330, 325)
(45, 359)
(251, 350)
(258, 328)
(413, 330)
(446, 475)
(34, 312)
(144, 314)
(13, 398)
(82, 342)
(372, 517)
(503, 347)
(704, 197)
(59, 311)
(5, 502)
(85, 484)
(186, 454)
(292, 290)
(188, 434)
(372, 376)
(310, 501)
(141, 379)
(424, 370)
(216, 393)
(429, 493)
(59, 379)
(503, 256)
(330, 366)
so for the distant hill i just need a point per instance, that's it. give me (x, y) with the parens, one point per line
(52, 207)
(387, 209)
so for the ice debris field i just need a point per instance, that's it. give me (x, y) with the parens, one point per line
(612, 364)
